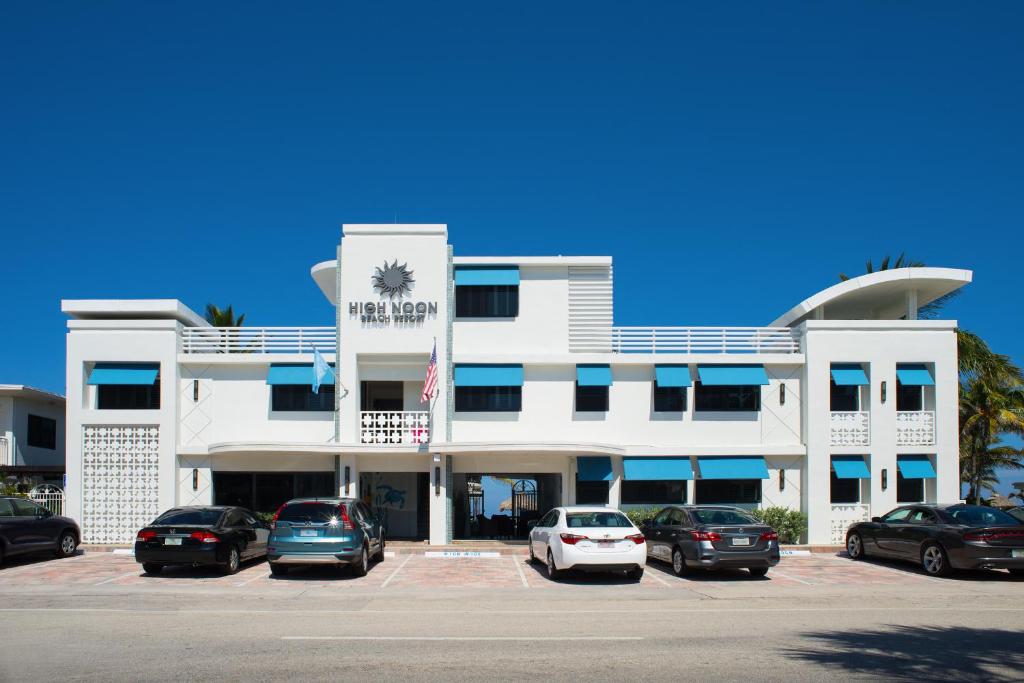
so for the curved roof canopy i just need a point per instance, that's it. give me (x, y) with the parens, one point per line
(885, 295)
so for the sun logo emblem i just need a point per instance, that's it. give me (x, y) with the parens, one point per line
(394, 280)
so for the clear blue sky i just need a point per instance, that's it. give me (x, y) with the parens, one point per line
(733, 158)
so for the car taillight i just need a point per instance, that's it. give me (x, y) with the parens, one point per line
(769, 536)
(571, 539)
(273, 522)
(346, 522)
(204, 537)
(636, 538)
(706, 536)
(145, 536)
(986, 536)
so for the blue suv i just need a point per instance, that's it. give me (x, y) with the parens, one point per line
(335, 531)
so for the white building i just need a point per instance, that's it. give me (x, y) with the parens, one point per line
(843, 407)
(31, 435)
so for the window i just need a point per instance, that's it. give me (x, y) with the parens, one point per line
(845, 397)
(235, 518)
(591, 492)
(591, 399)
(726, 398)
(596, 520)
(300, 398)
(677, 517)
(128, 396)
(845, 490)
(550, 520)
(922, 517)
(488, 399)
(665, 492)
(909, 397)
(711, 491)
(909, 490)
(486, 301)
(897, 516)
(24, 508)
(722, 517)
(669, 399)
(6, 509)
(267, 491)
(42, 432)
(186, 516)
(662, 518)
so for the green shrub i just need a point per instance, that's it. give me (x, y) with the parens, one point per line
(640, 515)
(267, 517)
(791, 525)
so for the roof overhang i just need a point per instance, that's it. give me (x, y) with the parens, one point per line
(132, 309)
(326, 278)
(22, 391)
(876, 296)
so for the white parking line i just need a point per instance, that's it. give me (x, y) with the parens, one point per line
(657, 578)
(776, 572)
(468, 638)
(115, 578)
(519, 568)
(255, 578)
(395, 573)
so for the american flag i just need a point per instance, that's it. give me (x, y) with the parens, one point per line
(430, 383)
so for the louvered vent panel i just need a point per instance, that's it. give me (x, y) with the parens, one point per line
(590, 308)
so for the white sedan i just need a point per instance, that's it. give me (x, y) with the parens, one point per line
(593, 539)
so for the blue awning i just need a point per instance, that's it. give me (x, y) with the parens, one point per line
(850, 467)
(124, 373)
(849, 374)
(915, 466)
(594, 468)
(914, 374)
(295, 373)
(488, 375)
(487, 275)
(656, 468)
(672, 375)
(594, 375)
(732, 467)
(732, 375)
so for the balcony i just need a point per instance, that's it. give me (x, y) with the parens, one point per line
(259, 340)
(849, 428)
(394, 428)
(738, 340)
(915, 428)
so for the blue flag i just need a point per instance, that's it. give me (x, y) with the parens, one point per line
(321, 370)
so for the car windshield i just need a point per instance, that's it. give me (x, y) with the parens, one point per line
(977, 515)
(576, 520)
(722, 517)
(308, 512)
(196, 517)
(1016, 512)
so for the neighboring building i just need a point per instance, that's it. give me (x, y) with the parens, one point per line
(31, 435)
(842, 407)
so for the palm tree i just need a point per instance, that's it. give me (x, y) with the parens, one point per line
(989, 408)
(223, 317)
(997, 457)
(926, 312)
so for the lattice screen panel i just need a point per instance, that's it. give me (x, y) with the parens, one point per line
(120, 478)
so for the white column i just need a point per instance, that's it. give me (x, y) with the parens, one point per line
(349, 488)
(438, 500)
(911, 304)
(615, 489)
(568, 482)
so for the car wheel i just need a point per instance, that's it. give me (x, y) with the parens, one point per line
(533, 558)
(678, 562)
(66, 545)
(380, 550)
(934, 560)
(233, 562)
(636, 574)
(757, 571)
(554, 573)
(152, 568)
(363, 566)
(278, 569)
(855, 547)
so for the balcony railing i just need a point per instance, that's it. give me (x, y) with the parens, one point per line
(915, 428)
(6, 452)
(258, 339)
(849, 428)
(737, 340)
(394, 428)
(845, 515)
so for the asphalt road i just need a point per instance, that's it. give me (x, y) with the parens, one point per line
(914, 629)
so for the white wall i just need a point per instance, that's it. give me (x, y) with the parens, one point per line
(31, 455)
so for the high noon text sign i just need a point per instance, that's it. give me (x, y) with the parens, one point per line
(392, 281)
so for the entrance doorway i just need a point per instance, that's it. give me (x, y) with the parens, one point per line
(500, 506)
(401, 500)
(380, 396)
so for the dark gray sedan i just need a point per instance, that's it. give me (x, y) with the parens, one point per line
(942, 538)
(26, 527)
(711, 537)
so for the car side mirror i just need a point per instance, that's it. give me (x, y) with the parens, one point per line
(876, 519)
(44, 514)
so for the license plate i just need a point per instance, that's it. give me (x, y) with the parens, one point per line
(606, 544)
(1018, 553)
(307, 532)
(172, 541)
(741, 541)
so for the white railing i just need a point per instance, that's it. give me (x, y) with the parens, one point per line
(845, 515)
(258, 339)
(686, 340)
(915, 428)
(50, 497)
(394, 428)
(849, 428)
(6, 452)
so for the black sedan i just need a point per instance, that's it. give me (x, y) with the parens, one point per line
(1017, 512)
(26, 527)
(711, 537)
(214, 535)
(942, 538)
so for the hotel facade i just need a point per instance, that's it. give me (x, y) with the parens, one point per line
(842, 407)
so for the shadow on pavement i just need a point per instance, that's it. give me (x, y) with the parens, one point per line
(917, 653)
(578, 578)
(39, 557)
(698, 575)
(322, 573)
(912, 568)
(184, 571)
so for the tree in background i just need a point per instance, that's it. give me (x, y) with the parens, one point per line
(223, 317)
